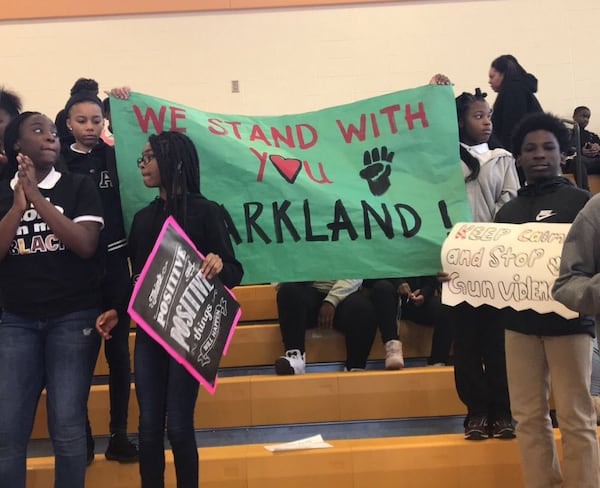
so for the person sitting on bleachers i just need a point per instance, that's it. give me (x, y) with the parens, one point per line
(415, 299)
(384, 295)
(421, 303)
(336, 304)
(589, 141)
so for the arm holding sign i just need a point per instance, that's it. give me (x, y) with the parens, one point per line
(440, 79)
(208, 232)
(578, 283)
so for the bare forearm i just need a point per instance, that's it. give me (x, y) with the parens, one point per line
(81, 238)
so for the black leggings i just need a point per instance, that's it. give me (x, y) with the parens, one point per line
(479, 362)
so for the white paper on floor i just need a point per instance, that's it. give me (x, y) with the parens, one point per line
(314, 442)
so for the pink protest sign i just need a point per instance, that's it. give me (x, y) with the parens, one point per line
(193, 318)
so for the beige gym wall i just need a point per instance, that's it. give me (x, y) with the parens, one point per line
(294, 59)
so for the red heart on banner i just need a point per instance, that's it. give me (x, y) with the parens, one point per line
(287, 167)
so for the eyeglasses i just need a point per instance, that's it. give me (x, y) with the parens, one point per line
(146, 158)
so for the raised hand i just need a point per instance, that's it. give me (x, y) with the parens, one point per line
(377, 169)
(26, 177)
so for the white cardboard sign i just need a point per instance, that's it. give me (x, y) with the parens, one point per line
(504, 265)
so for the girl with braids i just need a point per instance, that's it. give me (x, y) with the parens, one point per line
(49, 229)
(165, 390)
(480, 370)
(490, 176)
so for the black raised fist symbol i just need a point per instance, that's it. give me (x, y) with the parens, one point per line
(377, 169)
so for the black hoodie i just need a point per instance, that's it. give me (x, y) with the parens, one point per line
(555, 200)
(515, 100)
(205, 226)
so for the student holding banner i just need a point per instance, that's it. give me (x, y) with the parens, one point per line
(166, 392)
(416, 299)
(86, 153)
(49, 230)
(544, 349)
(479, 365)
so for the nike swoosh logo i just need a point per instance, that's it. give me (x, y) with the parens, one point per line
(544, 214)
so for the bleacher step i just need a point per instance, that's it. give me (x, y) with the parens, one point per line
(260, 345)
(413, 461)
(314, 397)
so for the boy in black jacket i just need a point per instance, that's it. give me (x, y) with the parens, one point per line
(590, 142)
(544, 346)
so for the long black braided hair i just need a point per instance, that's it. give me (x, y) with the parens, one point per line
(179, 168)
(463, 102)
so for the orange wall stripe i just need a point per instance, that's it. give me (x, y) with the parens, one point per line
(34, 9)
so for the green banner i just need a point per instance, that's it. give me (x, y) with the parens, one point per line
(364, 190)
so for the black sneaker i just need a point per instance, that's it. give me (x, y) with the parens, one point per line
(476, 428)
(121, 449)
(502, 429)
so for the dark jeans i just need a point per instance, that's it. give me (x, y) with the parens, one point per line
(166, 392)
(479, 362)
(299, 304)
(58, 354)
(592, 165)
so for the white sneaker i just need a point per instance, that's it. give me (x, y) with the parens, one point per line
(393, 355)
(292, 362)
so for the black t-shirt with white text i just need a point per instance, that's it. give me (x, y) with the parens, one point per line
(39, 276)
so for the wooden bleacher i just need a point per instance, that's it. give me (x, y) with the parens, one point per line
(412, 462)
(260, 400)
(593, 182)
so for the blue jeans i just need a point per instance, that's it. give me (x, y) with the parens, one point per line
(57, 354)
(165, 390)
